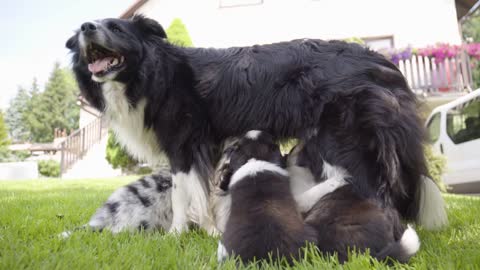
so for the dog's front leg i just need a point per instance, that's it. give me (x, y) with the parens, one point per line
(189, 201)
(180, 202)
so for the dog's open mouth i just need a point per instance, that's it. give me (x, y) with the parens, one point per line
(102, 61)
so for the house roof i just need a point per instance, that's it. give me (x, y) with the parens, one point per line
(465, 7)
(132, 9)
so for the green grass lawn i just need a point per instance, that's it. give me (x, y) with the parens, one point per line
(33, 213)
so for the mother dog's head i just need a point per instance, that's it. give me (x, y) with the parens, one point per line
(111, 49)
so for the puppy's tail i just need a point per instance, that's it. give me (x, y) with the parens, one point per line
(431, 209)
(403, 249)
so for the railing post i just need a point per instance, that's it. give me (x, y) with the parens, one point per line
(62, 158)
(100, 129)
(83, 142)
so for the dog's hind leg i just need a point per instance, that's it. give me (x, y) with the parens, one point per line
(431, 210)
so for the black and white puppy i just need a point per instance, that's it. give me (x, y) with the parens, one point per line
(263, 221)
(344, 218)
(341, 218)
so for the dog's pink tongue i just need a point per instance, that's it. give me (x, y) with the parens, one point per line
(99, 65)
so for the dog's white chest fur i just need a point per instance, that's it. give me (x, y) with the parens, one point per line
(128, 124)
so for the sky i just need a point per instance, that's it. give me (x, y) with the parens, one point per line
(33, 35)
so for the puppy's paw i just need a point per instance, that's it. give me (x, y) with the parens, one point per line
(222, 253)
(65, 234)
(337, 182)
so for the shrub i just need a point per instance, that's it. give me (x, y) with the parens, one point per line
(49, 168)
(355, 40)
(13, 156)
(21, 155)
(5, 154)
(287, 145)
(117, 156)
(436, 165)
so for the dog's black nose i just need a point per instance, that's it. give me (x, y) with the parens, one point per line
(88, 27)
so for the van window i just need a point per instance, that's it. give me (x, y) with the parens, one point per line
(433, 128)
(463, 121)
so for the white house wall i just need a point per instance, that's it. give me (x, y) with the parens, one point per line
(86, 117)
(411, 22)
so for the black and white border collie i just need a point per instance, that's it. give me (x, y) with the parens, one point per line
(273, 215)
(185, 101)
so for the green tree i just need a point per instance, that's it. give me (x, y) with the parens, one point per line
(471, 28)
(4, 140)
(15, 116)
(177, 34)
(53, 108)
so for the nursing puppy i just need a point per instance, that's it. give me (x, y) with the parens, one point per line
(263, 220)
(344, 218)
(341, 219)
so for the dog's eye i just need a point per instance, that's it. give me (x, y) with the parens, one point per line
(114, 28)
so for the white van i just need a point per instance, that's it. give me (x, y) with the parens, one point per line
(454, 131)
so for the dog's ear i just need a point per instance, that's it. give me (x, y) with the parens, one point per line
(72, 42)
(225, 177)
(148, 26)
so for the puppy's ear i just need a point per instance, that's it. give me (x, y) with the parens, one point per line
(72, 42)
(148, 26)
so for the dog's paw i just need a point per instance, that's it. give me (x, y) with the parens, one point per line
(213, 231)
(178, 228)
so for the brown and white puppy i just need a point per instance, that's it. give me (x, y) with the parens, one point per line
(343, 219)
(263, 219)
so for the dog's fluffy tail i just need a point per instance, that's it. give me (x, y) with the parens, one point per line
(431, 206)
(403, 249)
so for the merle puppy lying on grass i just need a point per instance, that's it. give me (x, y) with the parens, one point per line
(265, 217)
(144, 204)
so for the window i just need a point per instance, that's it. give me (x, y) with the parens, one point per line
(463, 122)
(433, 128)
(379, 43)
(239, 3)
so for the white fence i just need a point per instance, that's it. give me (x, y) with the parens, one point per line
(429, 76)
